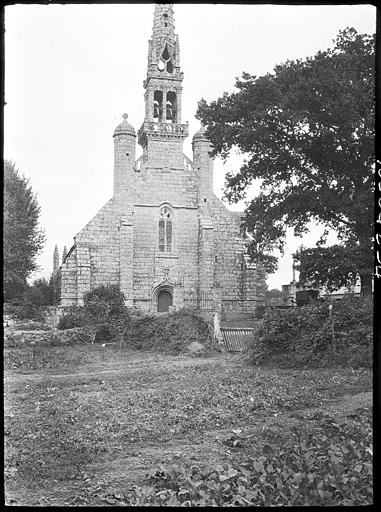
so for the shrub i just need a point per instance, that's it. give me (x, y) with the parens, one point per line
(171, 333)
(308, 336)
(75, 316)
(260, 311)
(27, 308)
(104, 308)
(42, 292)
(32, 302)
(104, 304)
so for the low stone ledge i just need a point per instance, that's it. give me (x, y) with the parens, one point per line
(53, 337)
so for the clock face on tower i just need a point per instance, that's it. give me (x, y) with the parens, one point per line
(161, 65)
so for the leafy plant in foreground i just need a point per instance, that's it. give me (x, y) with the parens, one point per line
(329, 465)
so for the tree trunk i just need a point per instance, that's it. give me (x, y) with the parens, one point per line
(366, 284)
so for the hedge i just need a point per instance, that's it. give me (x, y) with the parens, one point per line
(309, 336)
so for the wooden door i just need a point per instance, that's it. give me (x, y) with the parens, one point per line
(164, 301)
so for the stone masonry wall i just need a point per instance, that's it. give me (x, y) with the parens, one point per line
(230, 265)
(152, 266)
(53, 337)
(68, 278)
(162, 153)
(94, 260)
(155, 185)
(98, 250)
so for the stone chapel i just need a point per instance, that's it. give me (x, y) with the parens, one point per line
(164, 237)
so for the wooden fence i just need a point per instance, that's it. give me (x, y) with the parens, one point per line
(237, 339)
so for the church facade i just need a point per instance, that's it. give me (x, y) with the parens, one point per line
(164, 237)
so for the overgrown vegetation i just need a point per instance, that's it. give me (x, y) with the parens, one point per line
(169, 334)
(172, 333)
(144, 428)
(113, 427)
(102, 306)
(310, 336)
(327, 465)
(32, 302)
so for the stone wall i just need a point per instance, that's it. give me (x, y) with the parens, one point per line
(94, 258)
(152, 266)
(53, 337)
(165, 152)
(98, 250)
(242, 287)
(68, 279)
(176, 185)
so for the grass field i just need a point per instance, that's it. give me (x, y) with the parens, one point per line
(85, 425)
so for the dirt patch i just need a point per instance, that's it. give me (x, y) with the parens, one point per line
(109, 423)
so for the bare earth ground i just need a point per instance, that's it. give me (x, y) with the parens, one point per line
(86, 422)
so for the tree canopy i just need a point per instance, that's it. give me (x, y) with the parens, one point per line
(23, 238)
(307, 131)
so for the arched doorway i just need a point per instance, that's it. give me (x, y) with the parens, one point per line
(164, 300)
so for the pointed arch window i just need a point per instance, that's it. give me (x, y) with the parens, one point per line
(165, 230)
(165, 54)
(166, 61)
(171, 107)
(158, 105)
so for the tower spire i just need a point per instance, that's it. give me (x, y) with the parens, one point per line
(56, 260)
(163, 25)
(163, 47)
(163, 87)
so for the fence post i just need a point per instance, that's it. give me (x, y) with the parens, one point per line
(330, 307)
(217, 329)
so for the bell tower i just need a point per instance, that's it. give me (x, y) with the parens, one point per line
(162, 133)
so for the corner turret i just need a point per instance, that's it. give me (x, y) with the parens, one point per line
(124, 162)
(203, 164)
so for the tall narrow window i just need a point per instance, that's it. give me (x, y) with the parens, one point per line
(171, 107)
(158, 105)
(165, 231)
(165, 53)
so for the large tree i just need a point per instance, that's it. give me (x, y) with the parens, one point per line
(23, 238)
(307, 130)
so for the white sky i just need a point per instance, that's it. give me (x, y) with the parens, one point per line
(72, 70)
